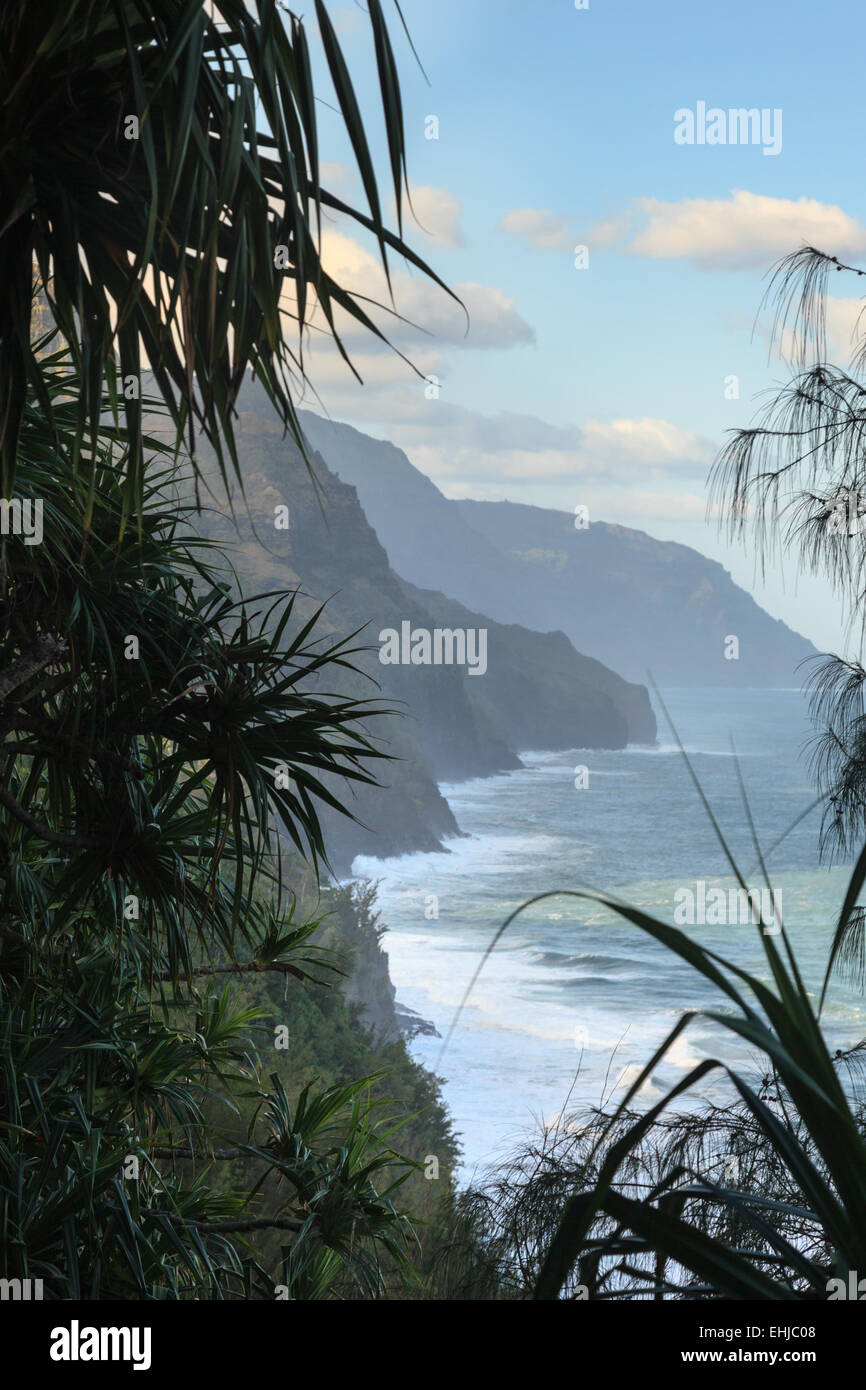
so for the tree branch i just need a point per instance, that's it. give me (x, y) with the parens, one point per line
(70, 747)
(44, 832)
(264, 1223)
(182, 1152)
(44, 651)
(238, 968)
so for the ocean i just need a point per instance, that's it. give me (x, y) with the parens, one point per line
(573, 1001)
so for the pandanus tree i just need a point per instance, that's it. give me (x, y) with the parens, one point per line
(161, 163)
(158, 731)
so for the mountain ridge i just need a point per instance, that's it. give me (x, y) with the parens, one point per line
(538, 691)
(639, 605)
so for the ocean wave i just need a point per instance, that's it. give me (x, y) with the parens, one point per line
(584, 961)
(666, 749)
(490, 853)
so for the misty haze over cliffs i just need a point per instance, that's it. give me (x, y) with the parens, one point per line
(537, 692)
(634, 603)
(523, 575)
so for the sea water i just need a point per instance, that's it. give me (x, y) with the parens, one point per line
(573, 1001)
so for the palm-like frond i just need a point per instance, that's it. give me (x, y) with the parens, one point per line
(795, 1232)
(161, 170)
(159, 250)
(139, 868)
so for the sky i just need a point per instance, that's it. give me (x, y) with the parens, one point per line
(605, 379)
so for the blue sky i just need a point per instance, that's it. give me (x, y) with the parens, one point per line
(607, 386)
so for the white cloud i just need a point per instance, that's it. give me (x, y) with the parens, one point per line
(493, 318)
(844, 321)
(645, 443)
(743, 230)
(336, 176)
(846, 325)
(437, 214)
(346, 22)
(384, 373)
(464, 448)
(617, 466)
(434, 319)
(634, 471)
(540, 228)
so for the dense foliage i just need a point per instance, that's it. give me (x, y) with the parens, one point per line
(154, 729)
(162, 736)
(161, 162)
